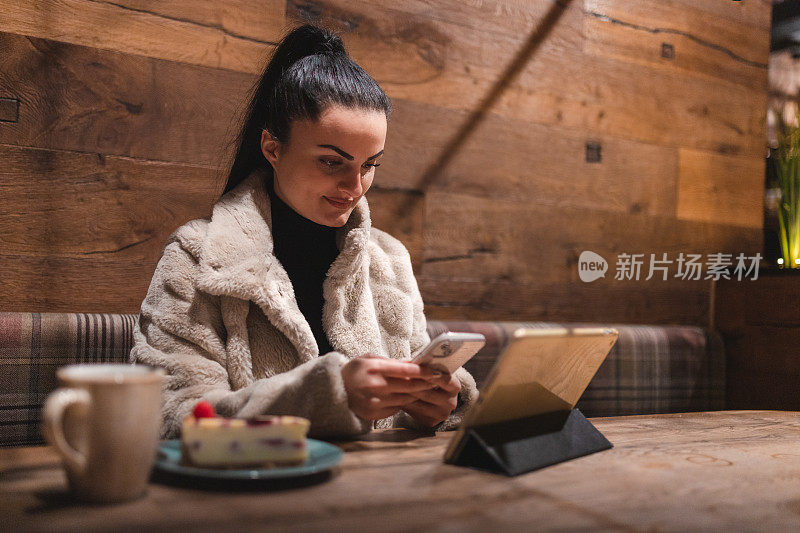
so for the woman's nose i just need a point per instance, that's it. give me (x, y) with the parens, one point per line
(351, 184)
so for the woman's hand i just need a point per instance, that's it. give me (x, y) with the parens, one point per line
(378, 387)
(435, 405)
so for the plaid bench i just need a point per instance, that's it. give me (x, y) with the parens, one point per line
(651, 369)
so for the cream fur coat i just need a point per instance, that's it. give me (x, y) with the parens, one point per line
(221, 317)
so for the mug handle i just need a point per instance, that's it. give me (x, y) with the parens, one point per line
(53, 418)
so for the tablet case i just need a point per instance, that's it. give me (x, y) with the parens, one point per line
(525, 417)
(518, 446)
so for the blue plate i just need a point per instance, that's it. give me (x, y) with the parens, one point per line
(321, 456)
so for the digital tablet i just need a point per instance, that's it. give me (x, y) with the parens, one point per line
(539, 371)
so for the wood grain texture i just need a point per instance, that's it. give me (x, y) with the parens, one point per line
(754, 13)
(726, 470)
(513, 159)
(760, 325)
(83, 232)
(254, 21)
(92, 100)
(202, 33)
(485, 176)
(429, 60)
(702, 45)
(526, 241)
(81, 204)
(720, 188)
(654, 302)
(771, 300)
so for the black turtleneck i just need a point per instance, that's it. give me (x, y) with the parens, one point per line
(306, 250)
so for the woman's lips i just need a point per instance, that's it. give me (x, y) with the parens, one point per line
(338, 204)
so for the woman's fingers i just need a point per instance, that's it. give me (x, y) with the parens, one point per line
(438, 402)
(407, 385)
(402, 369)
(393, 400)
(449, 383)
(434, 405)
(378, 387)
(425, 412)
(441, 398)
(377, 407)
(392, 391)
(370, 395)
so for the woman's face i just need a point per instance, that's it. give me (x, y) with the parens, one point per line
(328, 165)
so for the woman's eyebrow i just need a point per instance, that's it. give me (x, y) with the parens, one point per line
(345, 154)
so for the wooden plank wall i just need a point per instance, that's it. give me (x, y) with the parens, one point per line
(115, 120)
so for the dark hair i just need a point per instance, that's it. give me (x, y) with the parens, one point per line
(308, 71)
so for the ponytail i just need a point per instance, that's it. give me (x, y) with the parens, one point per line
(308, 71)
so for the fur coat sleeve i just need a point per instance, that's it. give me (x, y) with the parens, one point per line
(181, 329)
(419, 340)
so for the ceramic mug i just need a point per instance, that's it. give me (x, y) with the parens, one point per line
(104, 420)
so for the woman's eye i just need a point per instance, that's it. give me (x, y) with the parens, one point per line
(330, 163)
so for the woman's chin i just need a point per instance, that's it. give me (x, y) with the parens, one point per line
(334, 221)
(337, 218)
(340, 221)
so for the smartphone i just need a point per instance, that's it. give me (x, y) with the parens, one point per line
(450, 350)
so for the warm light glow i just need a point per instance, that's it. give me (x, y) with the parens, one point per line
(780, 260)
(787, 172)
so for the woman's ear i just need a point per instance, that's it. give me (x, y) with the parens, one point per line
(269, 147)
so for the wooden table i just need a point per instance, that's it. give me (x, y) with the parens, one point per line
(716, 470)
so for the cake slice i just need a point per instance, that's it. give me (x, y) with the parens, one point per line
(260, 442)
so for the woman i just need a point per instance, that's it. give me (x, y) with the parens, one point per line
(287, 301)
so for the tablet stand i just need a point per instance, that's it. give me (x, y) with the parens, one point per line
(525, 444)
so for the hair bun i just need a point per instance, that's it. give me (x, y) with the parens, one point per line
(310, 39)
(331, 43)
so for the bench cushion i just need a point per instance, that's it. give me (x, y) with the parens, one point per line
(651, 369)
(34, 345)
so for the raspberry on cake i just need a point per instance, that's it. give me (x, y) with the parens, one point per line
(259, 442)
(204, 409)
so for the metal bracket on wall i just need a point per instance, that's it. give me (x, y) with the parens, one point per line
(593, 154)
(9, 109)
